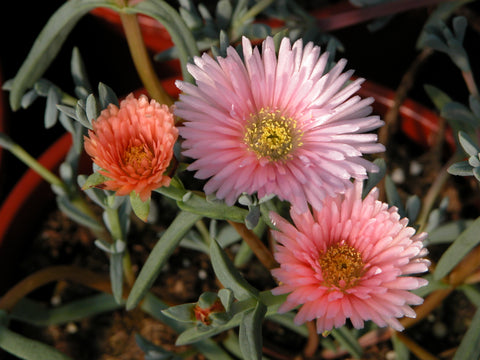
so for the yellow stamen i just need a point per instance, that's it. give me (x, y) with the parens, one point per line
(342, 266)
(272, 135)
(135, 156)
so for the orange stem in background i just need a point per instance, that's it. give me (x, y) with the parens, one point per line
(257, 246)
(50, 274)
(417, 350)
(367, 13)
(465, 268)
(312, 343)
(142, 60)
(431, 302)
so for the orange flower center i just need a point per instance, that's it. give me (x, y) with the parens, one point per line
(137, 156)
(342, 266)
(272, 135)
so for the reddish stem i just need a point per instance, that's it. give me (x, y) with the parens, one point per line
(360, 15)
(50, 274)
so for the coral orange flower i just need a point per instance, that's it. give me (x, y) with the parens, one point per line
(352, 259)
(282, 125)
(133, 145)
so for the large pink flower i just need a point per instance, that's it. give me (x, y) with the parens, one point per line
(133, 145)
(276, 125)
(352, 259)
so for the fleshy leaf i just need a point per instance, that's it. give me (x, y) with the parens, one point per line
(107, 96)
(26, 348)
(154, 352)
(140, 208)
(412, 208)
(462, 168)
(438, 97)
(375, 177)
(467, 240)
(93, 180)
(91, 108)
(456, 112)
(401, 350)
(159, 255)
(223, 13)
(228, 275)
(38, 314)
(393, 196)
(65, 205)
(447, 233)
(470, 346)
(182, 313)
(51, 112)
(78, 71)
(348, 341)
(468, 144)
(250, 332)
(214, 210)
(116, 270)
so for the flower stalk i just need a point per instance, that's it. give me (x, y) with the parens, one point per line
(31, 162)
(257, 246)
(141, 59)
(53, 273)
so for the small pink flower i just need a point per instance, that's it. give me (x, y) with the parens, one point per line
(133, 145)
(352, 259)
(281, 125)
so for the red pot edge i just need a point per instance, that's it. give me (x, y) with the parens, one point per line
(24, 189)
(2, 117)
(418, 122)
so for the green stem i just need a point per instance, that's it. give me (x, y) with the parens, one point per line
(470, 81)
(114, 222)
(69, 100)
(255, 10)
(117, 234)
(433, 192)
(142, 60)
(201, 227)
(31, 162)
(251, 13)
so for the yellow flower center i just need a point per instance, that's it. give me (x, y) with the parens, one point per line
(342, 266)
(272, 135)
(135, 156)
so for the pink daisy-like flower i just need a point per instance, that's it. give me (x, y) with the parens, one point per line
(276, 125)
(351, 259)
(133, 145)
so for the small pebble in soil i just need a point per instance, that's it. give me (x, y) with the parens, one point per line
(439, 330)
(186, 262)
(71, 328)
(56, 300)
(391, 355)
(398, 176)
(202, 274)
(415, 168)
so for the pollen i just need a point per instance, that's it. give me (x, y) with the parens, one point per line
(342, 266)
(272, 135)
(137, 156)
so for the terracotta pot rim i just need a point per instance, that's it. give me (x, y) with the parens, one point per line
(24, 188)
